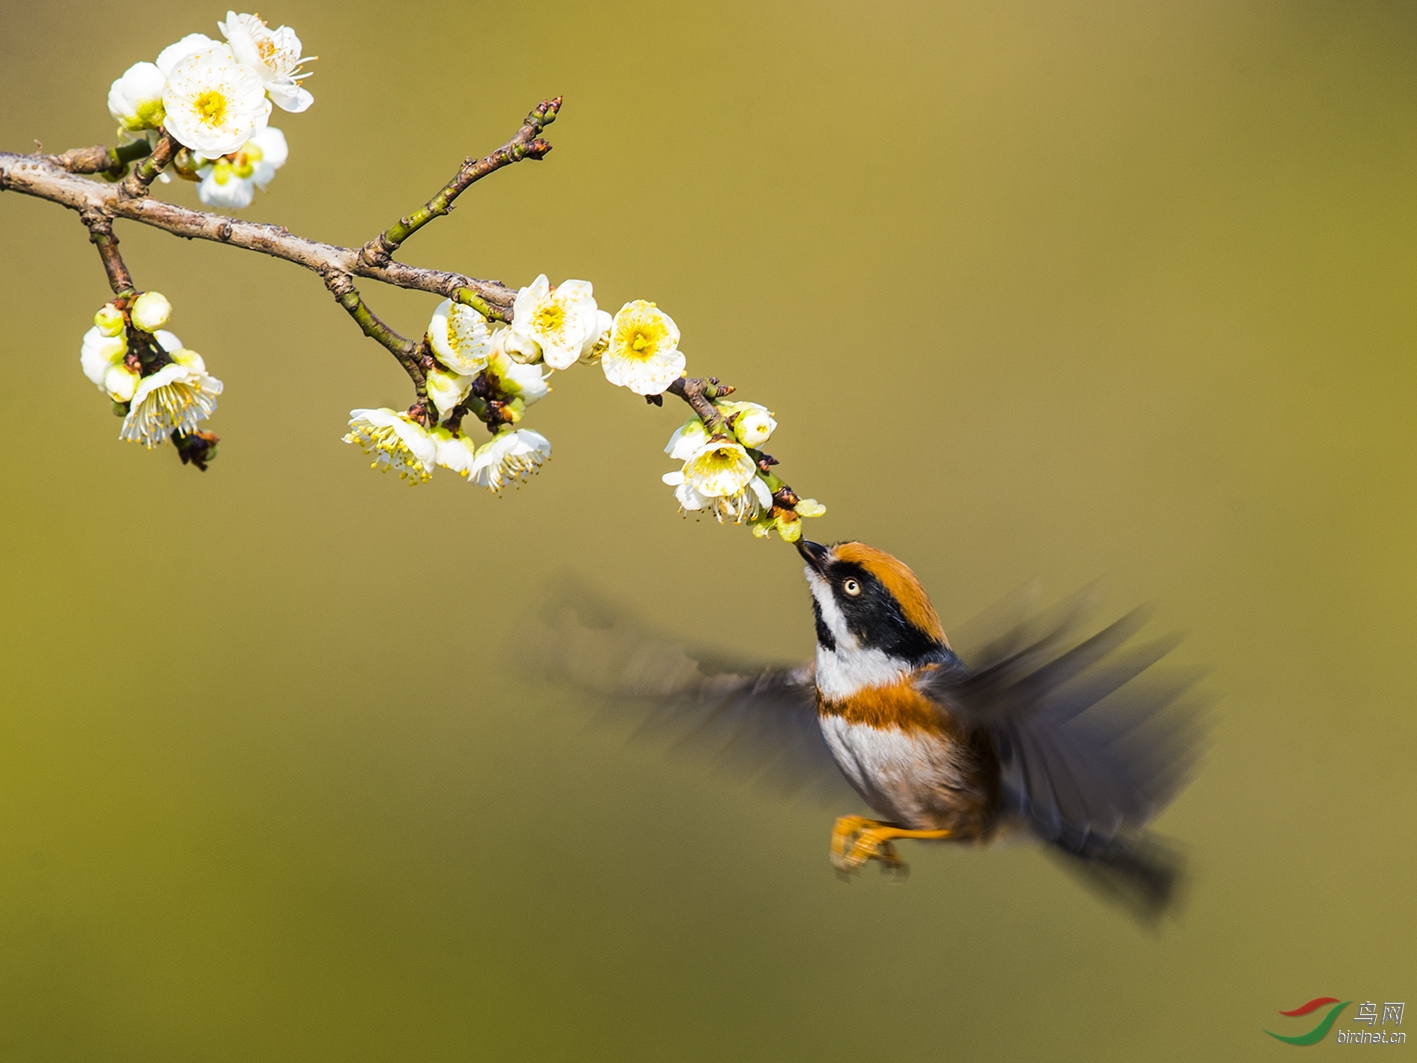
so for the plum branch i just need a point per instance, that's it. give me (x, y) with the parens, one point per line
(486, 353)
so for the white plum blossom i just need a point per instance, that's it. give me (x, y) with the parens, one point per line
(753, 424)
(643, 354)
(598, 342)
(447, 389)
(230, 182)
(560, 320)
(397, 442)
(273, 54)
(174, 399)
(454, 450)
(719, 467)
(150, 311)
(722, 479)
(745, 504)
(510, 455)
(687, 440)
(460, 337)
(173, 54)
(214, 104)
(99, 353)
(509, 343)
(135, 99)
(525, 382)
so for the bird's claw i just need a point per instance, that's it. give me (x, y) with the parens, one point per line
(867, 845)
(857, 841)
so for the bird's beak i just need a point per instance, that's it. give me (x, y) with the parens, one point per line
(815, 554)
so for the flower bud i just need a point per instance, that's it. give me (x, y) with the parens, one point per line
(517, 347)
(789, 526)
(526, 382)
(109, 320)
(150, 311)
(99, 352)
(120, 382)
(687, 440)
(752, 423)
(810, 507)
(447, 389)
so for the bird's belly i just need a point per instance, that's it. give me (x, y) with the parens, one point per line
(910, 775)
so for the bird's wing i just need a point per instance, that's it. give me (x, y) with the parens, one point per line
(749, 718)
(1090, 746)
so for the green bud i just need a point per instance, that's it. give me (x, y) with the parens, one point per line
(109, 320)
(150, 311)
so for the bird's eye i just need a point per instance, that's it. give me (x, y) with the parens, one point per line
(851, 587)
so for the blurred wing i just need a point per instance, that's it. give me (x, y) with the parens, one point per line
(1090, 747)
(751, 719)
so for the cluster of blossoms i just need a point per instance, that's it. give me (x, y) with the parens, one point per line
(726, 475)
(203, 107)
(214, 98)
(160, 388)
(495, 370)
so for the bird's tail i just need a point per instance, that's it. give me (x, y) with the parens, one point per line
(1140, 872)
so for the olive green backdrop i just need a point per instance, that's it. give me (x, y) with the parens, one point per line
(1056, 290)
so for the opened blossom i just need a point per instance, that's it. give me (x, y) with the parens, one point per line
(214, 103)
(560, 320)
(511, 455)
(395, 441)
(174, 399)
(643, 352)
(460, 337)
(274, 54)
(231, 181)
(720, 477)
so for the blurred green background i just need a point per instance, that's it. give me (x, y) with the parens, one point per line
(1055, 290)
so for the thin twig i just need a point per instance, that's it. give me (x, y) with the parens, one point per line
(526, 144)
(101, 234)
(342, 287)
(136, 183)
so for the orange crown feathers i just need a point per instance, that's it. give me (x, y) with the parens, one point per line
(897, 578)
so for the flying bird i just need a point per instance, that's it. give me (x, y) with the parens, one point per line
(1044, 733)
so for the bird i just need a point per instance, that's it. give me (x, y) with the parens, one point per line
(1043, 733)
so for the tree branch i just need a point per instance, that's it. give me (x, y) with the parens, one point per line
(526, 144)
(101, 234)
(57, 179)
(136, 183)
(111, 162)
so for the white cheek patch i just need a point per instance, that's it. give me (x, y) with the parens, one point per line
(831, 612)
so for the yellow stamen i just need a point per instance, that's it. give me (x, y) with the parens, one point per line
(211, 107)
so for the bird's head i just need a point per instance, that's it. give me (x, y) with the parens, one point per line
(867, 602)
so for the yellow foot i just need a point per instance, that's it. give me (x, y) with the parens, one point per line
(857, 840)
